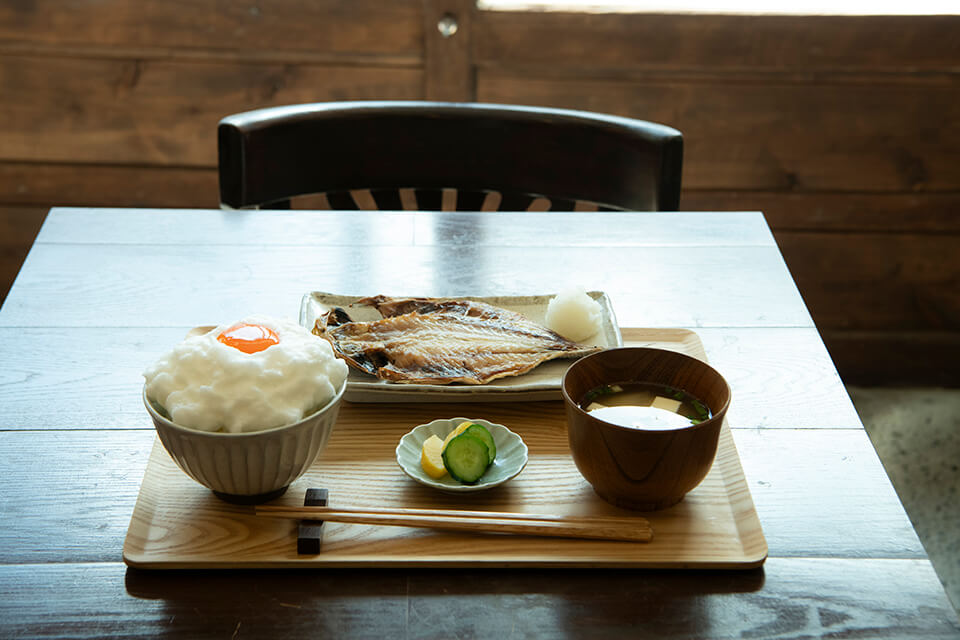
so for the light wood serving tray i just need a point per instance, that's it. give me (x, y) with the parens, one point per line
(178, 524)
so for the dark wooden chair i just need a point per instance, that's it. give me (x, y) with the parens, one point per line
(447, 156)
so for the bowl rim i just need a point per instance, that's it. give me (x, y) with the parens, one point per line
(157, 416)
(720, 413)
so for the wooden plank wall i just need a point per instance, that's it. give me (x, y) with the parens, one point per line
(845, 131)
(116, 102)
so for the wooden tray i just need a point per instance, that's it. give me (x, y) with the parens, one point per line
(178, 524)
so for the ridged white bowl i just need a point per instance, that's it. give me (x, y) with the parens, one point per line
(248, 468)
(511, 455)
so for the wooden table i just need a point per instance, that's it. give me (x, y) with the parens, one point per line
(105, 291)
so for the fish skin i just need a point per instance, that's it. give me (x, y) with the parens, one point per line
(442, 341)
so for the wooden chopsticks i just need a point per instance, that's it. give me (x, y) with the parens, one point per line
(595, 527)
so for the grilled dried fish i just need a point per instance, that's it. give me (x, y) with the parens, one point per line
(441, 341)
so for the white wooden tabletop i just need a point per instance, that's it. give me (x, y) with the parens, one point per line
(103, 292)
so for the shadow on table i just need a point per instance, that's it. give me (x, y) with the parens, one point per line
(439, 602)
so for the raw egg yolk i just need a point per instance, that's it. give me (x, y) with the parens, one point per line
(249, 338)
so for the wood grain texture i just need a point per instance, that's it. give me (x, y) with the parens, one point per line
(638, 469)
(842, 488)
(51, 184)
(452, 230)
(877, 272)
(448, 63)
(748, 135)
(114, 103)
(357, 27)
(888, 303)
(898, 280)
(629, 528)
(18, 229)
(572, 42)
(747, 605)
(19, 226)
(137, 81)
(846, 213)
(761, 145)
(44, 185)
(914, 283)
(824, 582)
(741, 286)
(129, 603)
(781, 378)
(909, 358)
(159, 112)
(714, 526)
(859, 353)
(100, 474)
(792, 475)
(847, 599)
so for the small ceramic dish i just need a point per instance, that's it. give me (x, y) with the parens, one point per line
(511, 455)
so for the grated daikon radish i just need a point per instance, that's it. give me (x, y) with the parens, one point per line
(574, 315)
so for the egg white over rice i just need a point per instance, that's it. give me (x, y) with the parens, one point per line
(207, 385)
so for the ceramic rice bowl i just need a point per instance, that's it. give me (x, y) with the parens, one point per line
(248, 468)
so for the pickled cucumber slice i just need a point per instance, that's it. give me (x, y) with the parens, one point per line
(481, 432)
(466, 458)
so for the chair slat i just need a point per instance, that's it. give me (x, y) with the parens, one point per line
(539, 204)
(448, 200)
(583, 205)
(363, 199)
(408, 198)
(492, 201)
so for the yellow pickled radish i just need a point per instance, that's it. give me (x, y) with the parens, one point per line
(453, 434)
(431, 457)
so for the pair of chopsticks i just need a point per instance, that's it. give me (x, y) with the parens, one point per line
(593, 527)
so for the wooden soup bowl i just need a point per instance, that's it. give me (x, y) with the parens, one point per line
(636, 468)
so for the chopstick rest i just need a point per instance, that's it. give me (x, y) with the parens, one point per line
(633, 529)
(310, 533)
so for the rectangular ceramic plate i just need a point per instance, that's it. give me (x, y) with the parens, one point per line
(543, 383)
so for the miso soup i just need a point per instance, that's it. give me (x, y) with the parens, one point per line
(643, 405)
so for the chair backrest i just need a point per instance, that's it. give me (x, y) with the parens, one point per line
(433, 156)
